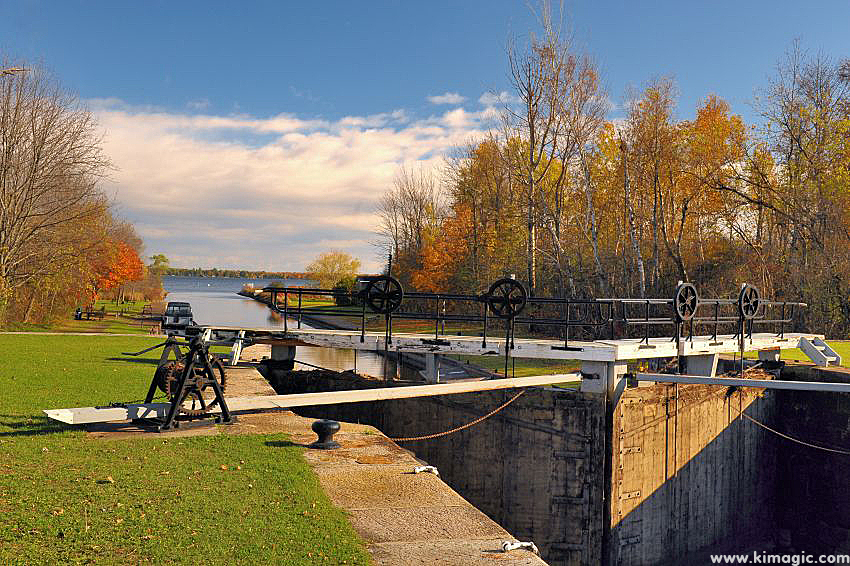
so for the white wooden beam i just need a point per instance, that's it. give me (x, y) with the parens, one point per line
(85, 415)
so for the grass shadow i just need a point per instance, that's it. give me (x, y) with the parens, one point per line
(148, 361)
(284, 444)
(22, 425)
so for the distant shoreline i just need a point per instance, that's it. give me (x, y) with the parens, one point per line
(234, 274)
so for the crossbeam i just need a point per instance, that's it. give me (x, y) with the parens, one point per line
(743, 382)
(132, 411)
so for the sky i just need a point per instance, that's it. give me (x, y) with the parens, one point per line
(258, 135)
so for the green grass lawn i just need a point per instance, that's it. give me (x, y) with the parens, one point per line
(69, 499)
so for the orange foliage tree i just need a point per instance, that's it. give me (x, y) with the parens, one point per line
(122, 265)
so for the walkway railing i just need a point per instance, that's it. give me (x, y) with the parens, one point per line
(572, 319)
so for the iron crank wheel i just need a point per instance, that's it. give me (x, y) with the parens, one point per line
(506, 298)
(749, 302)
(686, 301)
(384, 294)
(193, 402)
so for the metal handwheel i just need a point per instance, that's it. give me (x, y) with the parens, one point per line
(686, 301)
(749, 301)
(384, 294)
(506, 298)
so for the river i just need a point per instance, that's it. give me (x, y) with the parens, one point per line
(215, 302)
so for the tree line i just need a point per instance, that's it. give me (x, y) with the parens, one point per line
(240, 273)
(575, 204)
(61, 244)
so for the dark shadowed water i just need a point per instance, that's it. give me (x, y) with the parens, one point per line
(215, 302)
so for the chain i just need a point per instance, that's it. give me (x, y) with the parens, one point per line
(797, 440)
(462, 427)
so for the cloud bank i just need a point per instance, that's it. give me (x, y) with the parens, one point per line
(447, 98)
(265, 193)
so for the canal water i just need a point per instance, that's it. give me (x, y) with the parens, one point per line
(215, 302)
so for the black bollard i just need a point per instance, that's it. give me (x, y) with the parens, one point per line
(325, 429)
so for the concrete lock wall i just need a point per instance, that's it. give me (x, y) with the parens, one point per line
(813, 491)
(689, 474)
(685, 471)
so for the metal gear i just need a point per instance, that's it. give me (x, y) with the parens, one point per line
(168, 376)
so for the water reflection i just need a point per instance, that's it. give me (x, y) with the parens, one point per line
(215, 302)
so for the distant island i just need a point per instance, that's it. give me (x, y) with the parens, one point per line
(241, 273)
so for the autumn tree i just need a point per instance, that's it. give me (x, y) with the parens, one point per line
(586, 207)
(122, 266)
(158, 265)
(331, 267)
(796, 182)
(409, 213)
(50, 163)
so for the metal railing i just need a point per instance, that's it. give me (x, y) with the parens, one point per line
(571, 319)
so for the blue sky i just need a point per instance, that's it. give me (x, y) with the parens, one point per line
(270, 113)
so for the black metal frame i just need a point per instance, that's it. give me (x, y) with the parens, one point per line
(605, 318)
(197, 357)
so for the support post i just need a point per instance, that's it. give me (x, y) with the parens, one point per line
(703, 364)
(602, 377)
(432, 368)
(283, 357)
(771, 355)
(170, 346)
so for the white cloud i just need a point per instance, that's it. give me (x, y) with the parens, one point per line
(493, 98)
(270, 193)
(200, 104)
(447, 98)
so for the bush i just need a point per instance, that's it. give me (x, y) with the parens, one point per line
(342, 291)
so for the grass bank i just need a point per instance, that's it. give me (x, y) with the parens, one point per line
(123, 318)
(69, 499)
